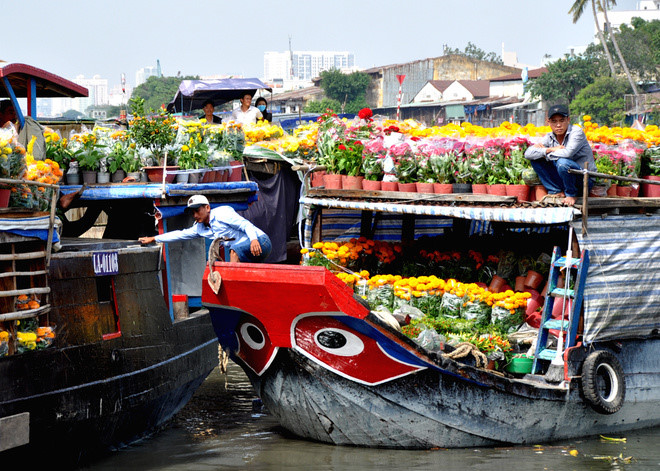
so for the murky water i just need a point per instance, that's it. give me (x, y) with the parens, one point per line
(223, 428)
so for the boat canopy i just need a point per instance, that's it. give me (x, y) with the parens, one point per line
(193, 93)
(622, 291)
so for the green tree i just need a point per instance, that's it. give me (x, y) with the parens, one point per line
(564, 79)
(159, 91)
(603, 100)
(345, 88)
(474, 52)
(322, 105)
(576, 10)
(641, 46)
(73, 114)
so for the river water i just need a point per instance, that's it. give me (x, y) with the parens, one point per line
(224, 427)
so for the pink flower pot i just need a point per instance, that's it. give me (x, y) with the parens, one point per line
(408, 187)
(371, 185)
(424, 187)
(389, 186)
(443, 188)
(332, 181)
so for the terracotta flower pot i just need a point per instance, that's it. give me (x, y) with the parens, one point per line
(539, 192)
(316, 179)
(520, 284)
(533, 279)
(371, 185)
(521, 192)
(442, 188)
(5, 193)
(496, 284)
(611, 191)
(423, 187)
(557, 307)
(408, 187)
(389, 186)
(498, 189)
(650, 190)
(479, 188)
(462, 187)
(155, 174)
(236, 171)
(352, 183)
(332, 181)
(624, 191)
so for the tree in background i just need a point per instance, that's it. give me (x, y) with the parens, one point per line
(159, 91)
(565, 78)
(603, 100)
(349, 90)
(577, 9)
(474, 52)
(641, 46)
(322, 106)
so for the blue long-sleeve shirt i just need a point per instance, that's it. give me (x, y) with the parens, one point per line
(577, 148)
(223, 222)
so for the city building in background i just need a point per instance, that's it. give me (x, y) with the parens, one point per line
(647, 10)
(296, 69)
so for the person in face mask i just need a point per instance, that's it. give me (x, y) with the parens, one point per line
(262, 104)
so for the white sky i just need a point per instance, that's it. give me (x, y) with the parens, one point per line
(206, 37)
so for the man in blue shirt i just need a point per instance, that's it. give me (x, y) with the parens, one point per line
(249, 244)
(563, 148)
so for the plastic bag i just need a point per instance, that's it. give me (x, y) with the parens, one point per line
(451, 305)
(479, 312)
(430, 340)
(381, 296)
(405, 313)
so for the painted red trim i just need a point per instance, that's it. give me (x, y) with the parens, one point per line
(52, 85)
(118, 333)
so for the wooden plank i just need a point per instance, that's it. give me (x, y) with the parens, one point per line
(25, 314)
(18, 292)
(24, 273)
(23, 256)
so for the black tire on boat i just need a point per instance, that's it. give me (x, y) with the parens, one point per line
(603, 385)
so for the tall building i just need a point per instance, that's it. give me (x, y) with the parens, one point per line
(648, 10)
(305, 65)
(144, 73)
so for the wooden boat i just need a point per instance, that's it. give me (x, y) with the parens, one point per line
(331, 369)
(121, 360)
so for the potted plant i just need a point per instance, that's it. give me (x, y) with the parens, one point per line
(89, 159)
(405, 165)
(349, 164)
(442, 163)
(373, 155)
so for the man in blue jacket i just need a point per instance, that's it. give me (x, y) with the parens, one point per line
(565, 147)
(249, 244)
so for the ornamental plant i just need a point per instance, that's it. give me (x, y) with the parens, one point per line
(349, 158)
(405, 163)
(151, 131)
(373, 155)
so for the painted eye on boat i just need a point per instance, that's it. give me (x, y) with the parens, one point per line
(339, 342)
(253, 336)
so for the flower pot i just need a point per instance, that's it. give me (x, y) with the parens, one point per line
(624, 191)
(117, 176)
(316, 178)
(332, 181)
(539, 192)
(598, 191)
(611, 191)
(89, 176)
(408, 187)
(134, 176)
(479, 189)
(352, 182)
(533, 279)
(73, 178)
(520, 284)
(221, 175)
(557, 307)
(389, 186)
(521, 192)
(496, 284)
(443, 188)
(155, 174)
(5, 193)
(650, 190)
(499, 189)
(423, 187)
(236, 171)
(208, 176)
(182, 177)
(194, 177)
(371, 185)
(103, 177)
(462, 187)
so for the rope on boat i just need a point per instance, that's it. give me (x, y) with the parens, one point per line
(464, 349)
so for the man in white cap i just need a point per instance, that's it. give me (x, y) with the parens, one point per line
(249, 244)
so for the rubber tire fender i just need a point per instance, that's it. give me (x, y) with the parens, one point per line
(603, 384)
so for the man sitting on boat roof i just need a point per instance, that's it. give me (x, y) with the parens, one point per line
(247, 243)
(565, 147)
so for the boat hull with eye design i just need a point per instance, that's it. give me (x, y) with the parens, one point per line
(332, 371)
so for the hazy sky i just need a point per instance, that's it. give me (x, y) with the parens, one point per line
(205, 37)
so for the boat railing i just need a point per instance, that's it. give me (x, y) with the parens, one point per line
(24, 268)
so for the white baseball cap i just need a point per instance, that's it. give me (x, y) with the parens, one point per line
(197, 201)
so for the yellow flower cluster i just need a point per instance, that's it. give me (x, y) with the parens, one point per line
(352, 278)
(261, 131)
(509, 300)
(341, 253)
(42, 171)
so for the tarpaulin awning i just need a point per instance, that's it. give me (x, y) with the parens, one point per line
(193, 93)
(454, 111)
(29, 227)
(622, 290)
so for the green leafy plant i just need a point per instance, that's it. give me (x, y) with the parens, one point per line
(349, 158)
(153, 132)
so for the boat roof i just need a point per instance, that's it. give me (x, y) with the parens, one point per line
(193, 93)
(48, 85)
